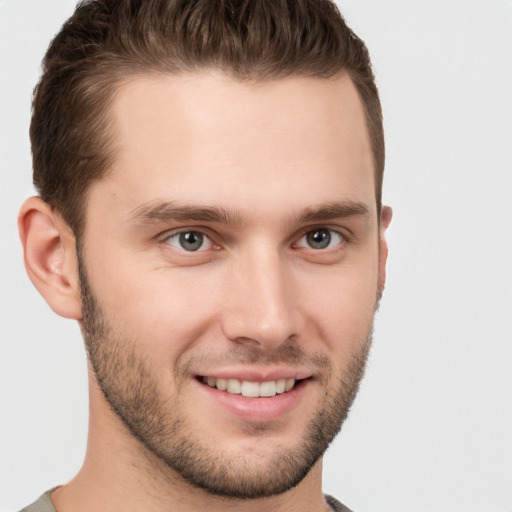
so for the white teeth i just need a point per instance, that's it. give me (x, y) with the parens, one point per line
(268, 388)
(249, 388)
(234, 386)
(222, 384)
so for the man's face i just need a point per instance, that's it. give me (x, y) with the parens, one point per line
(233, 250)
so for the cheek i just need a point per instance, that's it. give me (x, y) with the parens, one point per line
(341, 305)
(164, 310)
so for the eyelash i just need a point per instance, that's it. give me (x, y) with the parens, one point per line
(205, 238)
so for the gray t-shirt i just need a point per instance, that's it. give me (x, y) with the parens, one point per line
(44, 504)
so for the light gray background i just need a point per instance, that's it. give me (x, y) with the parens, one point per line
(432, 427)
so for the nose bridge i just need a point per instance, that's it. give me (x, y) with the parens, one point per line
(261, 309)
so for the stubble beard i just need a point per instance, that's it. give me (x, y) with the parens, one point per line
(130, 387)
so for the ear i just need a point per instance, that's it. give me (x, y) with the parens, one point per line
(50, 256)
(385, 219)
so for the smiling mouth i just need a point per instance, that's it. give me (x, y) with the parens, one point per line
(249, 388)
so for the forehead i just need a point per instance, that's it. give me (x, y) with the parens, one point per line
(207, 138)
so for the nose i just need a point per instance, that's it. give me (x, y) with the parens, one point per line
(261, 307)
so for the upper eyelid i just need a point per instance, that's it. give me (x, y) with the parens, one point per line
(333, 230)
(185, 229)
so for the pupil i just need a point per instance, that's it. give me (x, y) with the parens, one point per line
(191, 241)
(319, 239)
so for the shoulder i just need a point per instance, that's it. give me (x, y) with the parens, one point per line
(43, 504)
(336, 505)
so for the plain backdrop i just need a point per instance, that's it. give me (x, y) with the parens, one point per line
(432, 427)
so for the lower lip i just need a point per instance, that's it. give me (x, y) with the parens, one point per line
(257, 409)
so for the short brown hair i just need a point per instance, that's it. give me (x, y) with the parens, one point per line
(107, 41)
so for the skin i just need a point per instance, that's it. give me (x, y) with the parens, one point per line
(272, 156)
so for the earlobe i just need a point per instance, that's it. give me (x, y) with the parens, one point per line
(385, 220)
(50, 257)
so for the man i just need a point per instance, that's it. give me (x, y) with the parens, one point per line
(210, 179)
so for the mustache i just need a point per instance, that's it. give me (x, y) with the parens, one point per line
(287, 353)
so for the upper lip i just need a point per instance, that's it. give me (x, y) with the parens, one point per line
(258, 375)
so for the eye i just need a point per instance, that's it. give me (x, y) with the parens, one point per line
(322, 238)
(191, 241)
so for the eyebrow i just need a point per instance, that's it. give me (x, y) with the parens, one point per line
(167, 211)
(335, 210)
